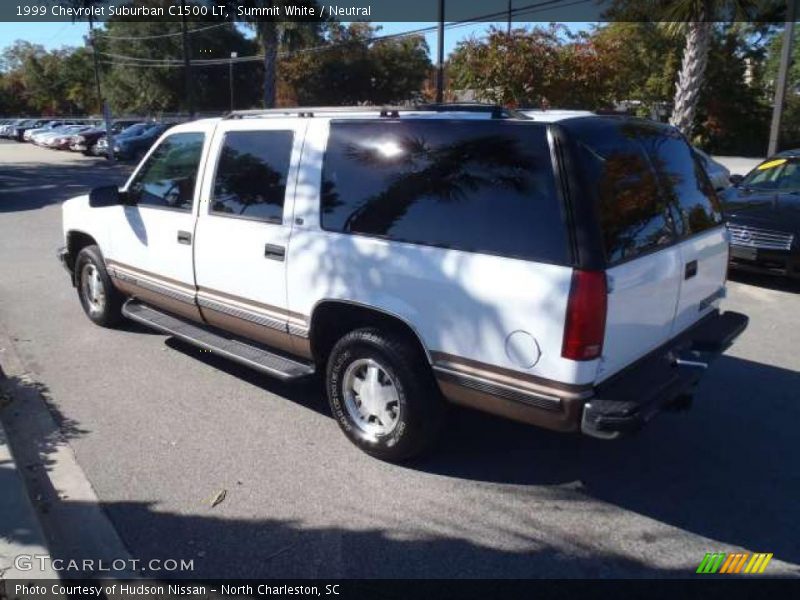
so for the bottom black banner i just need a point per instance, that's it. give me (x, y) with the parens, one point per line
(140, 589)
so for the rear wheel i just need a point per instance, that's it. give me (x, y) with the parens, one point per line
(100, 300)
(383, 395)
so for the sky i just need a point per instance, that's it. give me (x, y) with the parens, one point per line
(55, 35)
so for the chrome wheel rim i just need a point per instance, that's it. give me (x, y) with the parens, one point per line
(371, 397)
(92, 287)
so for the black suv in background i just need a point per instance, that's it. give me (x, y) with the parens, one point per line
(762, 211)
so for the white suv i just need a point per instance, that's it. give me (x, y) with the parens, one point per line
(566, 274)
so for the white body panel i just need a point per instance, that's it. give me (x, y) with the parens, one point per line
(710, 250)
(494, 310)
(230, 251)
(459, 303)
(146, 237)
(641, 307)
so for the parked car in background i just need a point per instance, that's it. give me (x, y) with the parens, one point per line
(39, 137)
(86, 141)
(762, 211)
(49, 125)
(101, 146)
(717, 172)
(18, 131)
(564, 274)
(7, 129)
(134, 146)
(59, 137)
(64, 141)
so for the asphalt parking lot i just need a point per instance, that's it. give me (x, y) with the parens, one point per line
(159, 429)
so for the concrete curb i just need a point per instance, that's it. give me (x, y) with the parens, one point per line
(68, 510)
(20, 533)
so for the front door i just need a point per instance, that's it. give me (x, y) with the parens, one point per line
(244, 225)
(151, 251)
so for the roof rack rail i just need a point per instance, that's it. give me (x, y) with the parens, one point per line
(496, 111)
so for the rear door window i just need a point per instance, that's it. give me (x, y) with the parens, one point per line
(251, 175)
(479, 186)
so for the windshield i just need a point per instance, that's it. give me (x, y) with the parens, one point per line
(782, 174)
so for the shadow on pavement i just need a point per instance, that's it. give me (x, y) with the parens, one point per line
(726, 469)
(29, 186)
(770, 282)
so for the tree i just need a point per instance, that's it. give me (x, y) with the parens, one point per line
(140, 84)
(540, 66)
(641, 63)
(694, 18)
(273, 34)
(353, 68)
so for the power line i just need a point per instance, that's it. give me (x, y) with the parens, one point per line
(134, 61)
(161, 35)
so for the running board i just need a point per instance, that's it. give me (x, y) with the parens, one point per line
(251, 356)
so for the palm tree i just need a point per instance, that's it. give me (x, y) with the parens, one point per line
(272, 33)
(695, 19)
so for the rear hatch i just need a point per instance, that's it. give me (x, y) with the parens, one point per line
(665, 248)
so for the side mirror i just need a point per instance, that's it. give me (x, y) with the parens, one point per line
(107, 195)
(736, 179)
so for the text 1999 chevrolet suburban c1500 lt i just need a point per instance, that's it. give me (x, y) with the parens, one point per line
(565, 274)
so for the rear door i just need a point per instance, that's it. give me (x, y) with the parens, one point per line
(638, 229)
(244, 226)
(703, 243)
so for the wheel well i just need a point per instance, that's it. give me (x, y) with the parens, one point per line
(332, 320)
(77, 241)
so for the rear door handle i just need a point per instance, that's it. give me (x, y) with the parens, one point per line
(184, 237)
(691, 270)
(274, 252)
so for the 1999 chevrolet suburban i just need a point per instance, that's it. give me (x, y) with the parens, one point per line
(565, 274)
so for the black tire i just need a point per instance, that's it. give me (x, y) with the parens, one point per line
(108, 312)
(419, 408)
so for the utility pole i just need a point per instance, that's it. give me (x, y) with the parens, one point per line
(187, 63)
(92, 41)
(783, 75)
(230, 75)
(440, 60)
(103, 105)
(508, 29)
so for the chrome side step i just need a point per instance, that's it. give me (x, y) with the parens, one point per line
(251, 356)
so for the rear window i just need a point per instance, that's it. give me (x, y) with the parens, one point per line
(478, 186)
(649, 188)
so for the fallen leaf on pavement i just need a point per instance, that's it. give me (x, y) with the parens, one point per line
(219, 498)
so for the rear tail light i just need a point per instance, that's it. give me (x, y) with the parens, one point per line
(586, 316)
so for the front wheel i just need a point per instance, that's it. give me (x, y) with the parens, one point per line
(100, 300)
(383, 395)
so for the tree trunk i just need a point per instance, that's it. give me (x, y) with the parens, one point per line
(269, 39)
(690, 77)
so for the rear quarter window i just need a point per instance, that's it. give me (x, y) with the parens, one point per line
(477, 186)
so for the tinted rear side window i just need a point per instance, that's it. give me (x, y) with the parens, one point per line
(683, 180)
(617, 172)
(479, 186)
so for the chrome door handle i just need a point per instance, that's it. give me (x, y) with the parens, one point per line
(184, 237)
